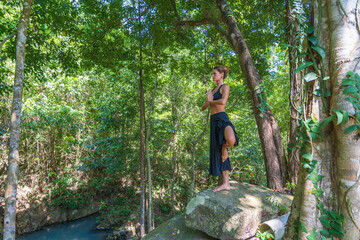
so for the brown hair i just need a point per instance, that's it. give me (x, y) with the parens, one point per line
(222, 69)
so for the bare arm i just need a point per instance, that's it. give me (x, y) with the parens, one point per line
(224, 98)
(209, 97)
(205, 106)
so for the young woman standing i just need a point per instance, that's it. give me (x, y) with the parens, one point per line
(222, 131)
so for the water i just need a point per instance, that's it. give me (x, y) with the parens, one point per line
(81, 229)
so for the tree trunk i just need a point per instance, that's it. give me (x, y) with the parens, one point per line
(141, 150)
(193, 153)
(296, 91)
(142, 170)
(338, 155)
(150, 221)
(13, 167)
(271, 142)
(344, 51)
(175, 142)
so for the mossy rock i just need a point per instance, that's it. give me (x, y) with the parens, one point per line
(237, 213)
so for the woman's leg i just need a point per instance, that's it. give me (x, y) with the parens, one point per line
(225, 182)
(220, 180)
(230, 141)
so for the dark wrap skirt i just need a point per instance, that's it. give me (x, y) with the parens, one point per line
(218, 123)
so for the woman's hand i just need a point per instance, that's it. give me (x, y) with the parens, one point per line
(209, 96)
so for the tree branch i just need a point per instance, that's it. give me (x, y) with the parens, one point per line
(205, 21)
(175, 10)
(7, 38)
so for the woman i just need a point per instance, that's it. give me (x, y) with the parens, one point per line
(222, 131)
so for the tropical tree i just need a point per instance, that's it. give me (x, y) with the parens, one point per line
(224, 21)
(327, 194)
(14, 142)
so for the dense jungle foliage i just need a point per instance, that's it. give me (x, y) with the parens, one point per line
(80, 119)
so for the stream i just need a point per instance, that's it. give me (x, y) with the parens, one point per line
(81, 229)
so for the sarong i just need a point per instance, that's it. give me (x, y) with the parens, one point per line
(218, 123)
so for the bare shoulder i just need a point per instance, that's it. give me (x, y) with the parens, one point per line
(225, 87)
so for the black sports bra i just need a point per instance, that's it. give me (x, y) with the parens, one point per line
(218, 95)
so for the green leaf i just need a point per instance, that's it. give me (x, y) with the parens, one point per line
(313, 177)
(309, 30)
(307, 166)
(307, 156)
(316, 129)
(313, 39)
(319, 177)
(333, 215)
(351, 128)
(313, 235)
(337, 227)
(345, 117)
(351, 99)
(325, 232)
(320, 206)
(327, 94)
(301, 54)
(341, 218)
(317, 92)
(314, 137)
(310, 77)
(303, 66)
(326, 121)
(348, 82)
(326, 78)
(357, 77)
(350, 89)
(320, 51)
(350, 73)
(339, 116)
(355, 95)
(335, 233)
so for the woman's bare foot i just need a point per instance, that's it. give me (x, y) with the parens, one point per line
(222, 187)
(224, 154)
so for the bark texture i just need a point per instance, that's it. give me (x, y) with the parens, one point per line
(13, 161)
(296, 91)
(344, 43)
(336, 26)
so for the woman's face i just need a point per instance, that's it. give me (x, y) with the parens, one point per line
(217, 76)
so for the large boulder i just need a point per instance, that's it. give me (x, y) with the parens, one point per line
(175, 229)
(237, 213)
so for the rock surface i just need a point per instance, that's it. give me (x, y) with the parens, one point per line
(234, 214)
(175, 229)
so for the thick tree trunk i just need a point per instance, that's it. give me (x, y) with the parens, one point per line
(344, 44)
(338, 155)
(296, 91)
(13, 162)
(271, 142)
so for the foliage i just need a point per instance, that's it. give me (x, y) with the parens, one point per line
(311, 130)
(63, 195)
(265, 236)
(80, 123)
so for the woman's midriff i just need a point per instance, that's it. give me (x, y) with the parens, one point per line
(216, 109)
